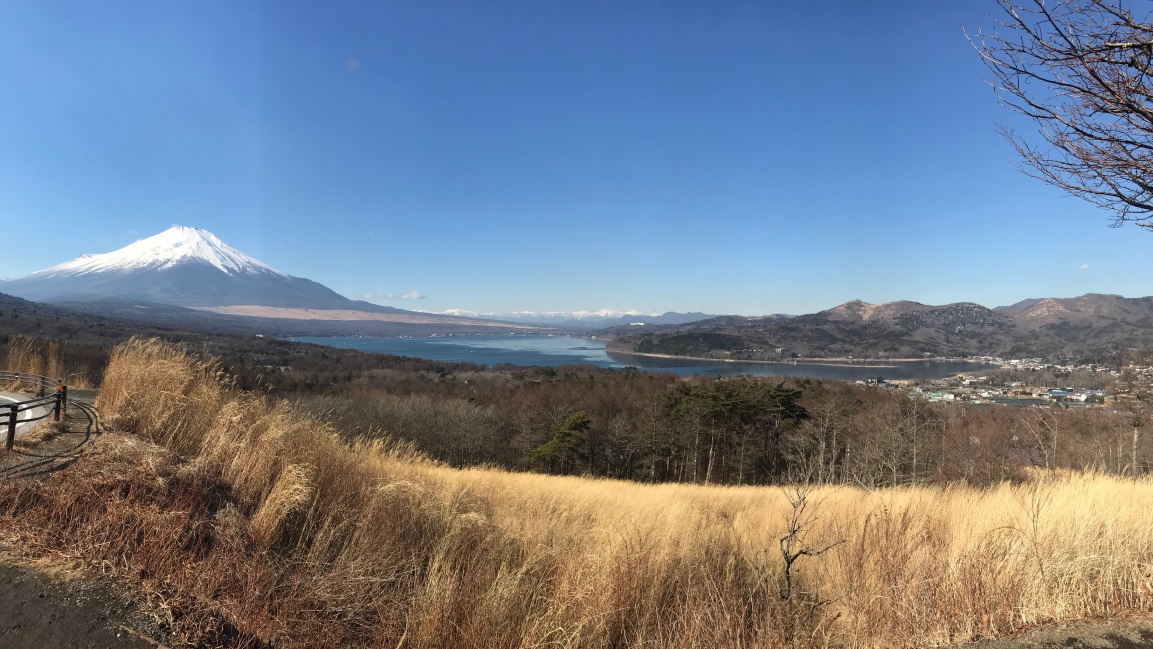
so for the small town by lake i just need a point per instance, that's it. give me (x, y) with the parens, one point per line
(552, 351)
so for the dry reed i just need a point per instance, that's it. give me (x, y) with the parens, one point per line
(44, 357)
(259, 526)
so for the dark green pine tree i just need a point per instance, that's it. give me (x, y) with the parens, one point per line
(567, 451)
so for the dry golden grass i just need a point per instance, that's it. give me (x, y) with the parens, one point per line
(33, 355)
(39, 356)
(254, 523)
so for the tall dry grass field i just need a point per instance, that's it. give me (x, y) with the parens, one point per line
(255, 524)
(33, 355)
(45, 357)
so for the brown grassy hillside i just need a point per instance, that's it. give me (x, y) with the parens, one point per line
(253, 524)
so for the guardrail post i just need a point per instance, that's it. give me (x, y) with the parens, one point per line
(12, 410)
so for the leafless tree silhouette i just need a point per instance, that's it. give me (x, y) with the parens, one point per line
(1080, 69)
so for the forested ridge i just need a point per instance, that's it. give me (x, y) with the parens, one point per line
(1091, 329)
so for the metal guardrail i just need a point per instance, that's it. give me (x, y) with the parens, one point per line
(37, 382)
(41, 385)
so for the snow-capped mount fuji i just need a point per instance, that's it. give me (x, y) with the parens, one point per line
(173, 247)
(182, 266)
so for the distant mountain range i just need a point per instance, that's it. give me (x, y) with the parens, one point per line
(186, 277)
(587, 319)
(1092, 328)
(193, 269)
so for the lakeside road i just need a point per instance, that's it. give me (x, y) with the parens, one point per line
(827, 362)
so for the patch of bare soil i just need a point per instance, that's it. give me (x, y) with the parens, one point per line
(1115, 634)
(50, 605)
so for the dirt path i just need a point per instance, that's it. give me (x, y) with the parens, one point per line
(50, 605)
(1117, 634)
(49, 447)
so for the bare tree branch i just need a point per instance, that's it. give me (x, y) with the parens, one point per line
(1080, 69)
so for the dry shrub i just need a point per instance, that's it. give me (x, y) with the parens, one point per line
(292, 491)
(255, 524)
(161, 392)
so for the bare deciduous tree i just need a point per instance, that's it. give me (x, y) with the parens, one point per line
(1080, 69)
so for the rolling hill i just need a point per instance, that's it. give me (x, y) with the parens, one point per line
(1091, 327)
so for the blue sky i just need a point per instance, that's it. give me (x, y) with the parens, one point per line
(726, 157)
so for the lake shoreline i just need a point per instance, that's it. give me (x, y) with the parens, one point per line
(555, 351)
(891, 363)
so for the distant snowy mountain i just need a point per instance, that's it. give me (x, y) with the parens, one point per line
(169, 249)
(585, 319)
(182, 266)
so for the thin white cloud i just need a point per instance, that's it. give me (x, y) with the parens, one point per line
(1084, 266)
(411, 295)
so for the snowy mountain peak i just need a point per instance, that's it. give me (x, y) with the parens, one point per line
(176, 245)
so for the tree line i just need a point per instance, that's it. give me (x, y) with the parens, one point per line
(657, 427)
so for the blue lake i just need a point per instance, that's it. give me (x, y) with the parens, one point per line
(552, 351)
